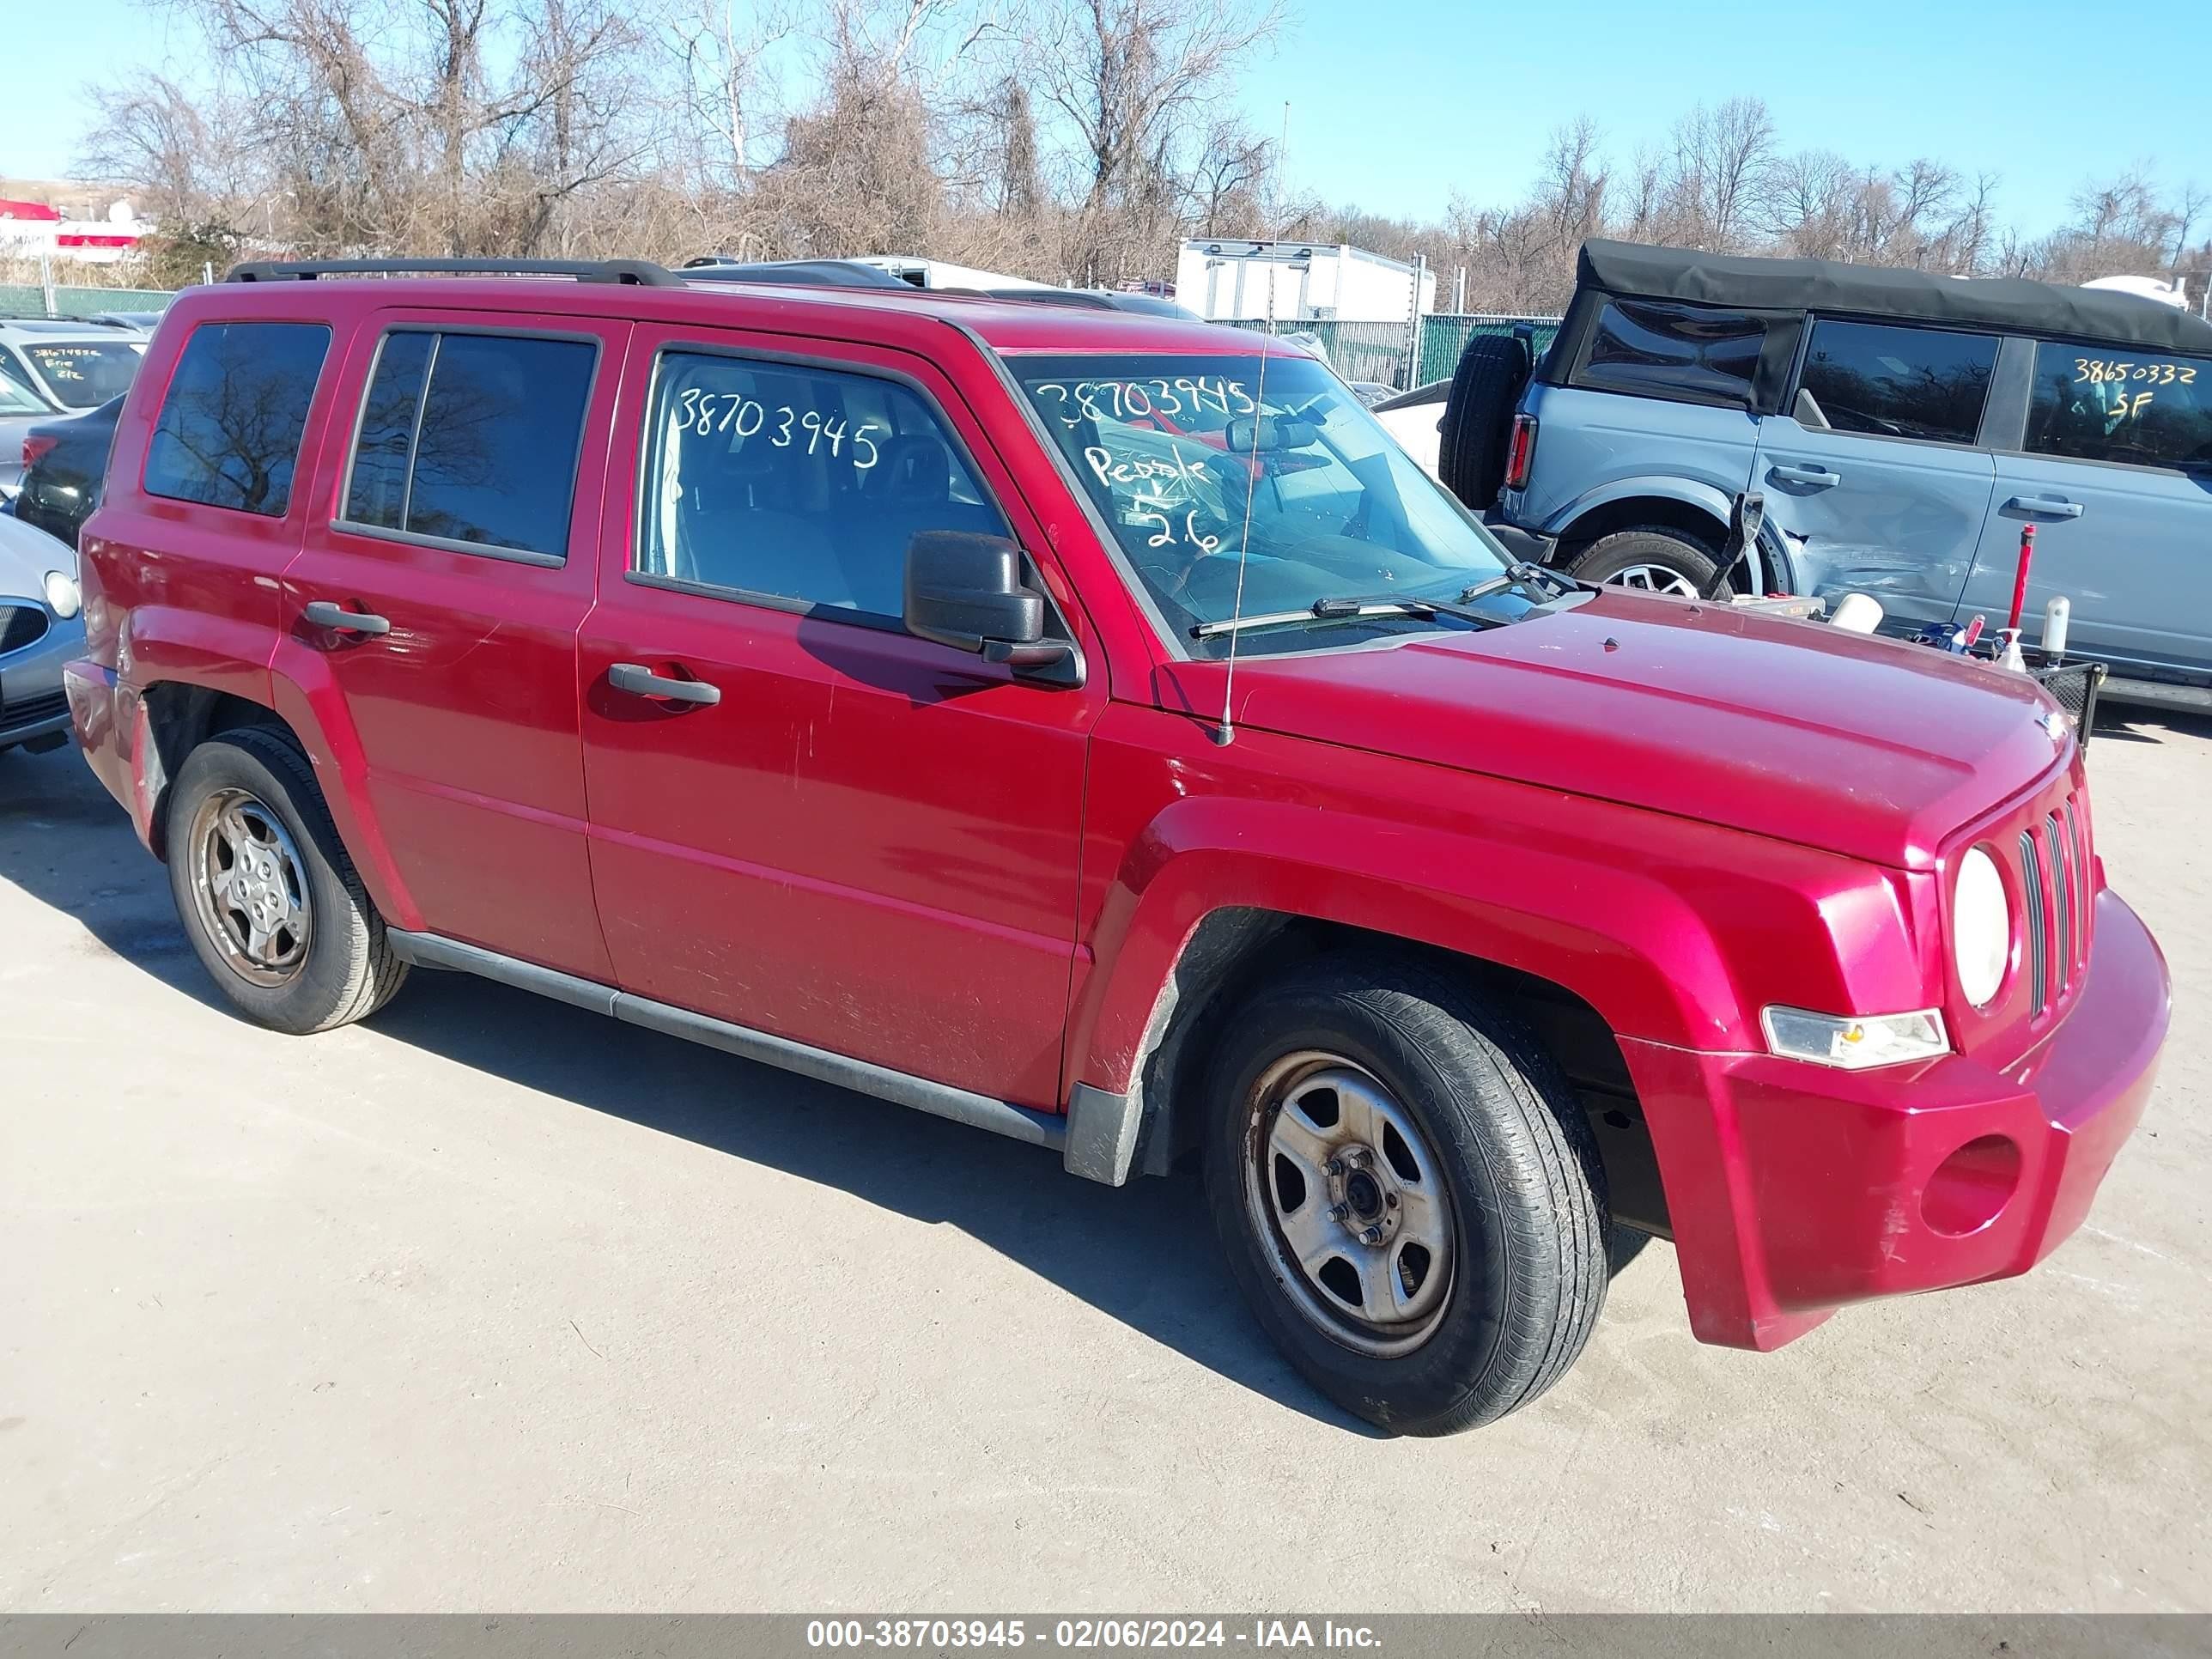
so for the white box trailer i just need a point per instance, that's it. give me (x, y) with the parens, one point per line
(1226, 280)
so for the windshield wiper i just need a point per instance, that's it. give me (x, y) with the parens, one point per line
(1346, 610)
(1520, 573)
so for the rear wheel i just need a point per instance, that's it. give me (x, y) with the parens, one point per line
(271, 903)
(1650, 559)
(1406, 1192)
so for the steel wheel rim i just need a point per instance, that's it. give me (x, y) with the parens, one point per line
(1361, 1167)
(1654, 578)
(250, 888)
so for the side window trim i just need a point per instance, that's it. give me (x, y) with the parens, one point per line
(437, 331)
(827, 364)
(2012, 383)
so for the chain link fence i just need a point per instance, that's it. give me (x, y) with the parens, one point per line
(1388, 352)
(1444, 337)
(29, 300)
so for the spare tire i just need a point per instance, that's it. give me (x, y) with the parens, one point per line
(1479, 417)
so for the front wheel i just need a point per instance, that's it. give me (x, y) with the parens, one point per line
(1406, 1192)
(1651, 561)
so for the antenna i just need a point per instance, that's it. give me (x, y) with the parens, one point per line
(1225, 732)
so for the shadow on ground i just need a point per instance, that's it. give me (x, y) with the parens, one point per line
(1144, 1254)
(2127, 723)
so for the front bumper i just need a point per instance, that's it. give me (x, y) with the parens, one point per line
(31, 705)
(1793, 1188)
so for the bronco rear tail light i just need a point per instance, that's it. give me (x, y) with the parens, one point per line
(36, 448)
(1522, 451)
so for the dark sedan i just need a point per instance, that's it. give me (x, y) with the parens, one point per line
(65, 465)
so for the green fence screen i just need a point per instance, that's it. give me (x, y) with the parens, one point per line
(1384, 352)
(29, 300)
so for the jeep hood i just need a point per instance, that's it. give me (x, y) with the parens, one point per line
(1872, 748)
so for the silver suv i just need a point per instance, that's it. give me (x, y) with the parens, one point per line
(69, 366)
(1902, 426)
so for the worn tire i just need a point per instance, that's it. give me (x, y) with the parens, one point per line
(1477, 420)
(349, 970)
(1512, 1148)
(1655, 545)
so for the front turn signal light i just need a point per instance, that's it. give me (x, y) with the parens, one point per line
(1854, 1042)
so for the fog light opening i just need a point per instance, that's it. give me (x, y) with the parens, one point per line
(1971, 1187)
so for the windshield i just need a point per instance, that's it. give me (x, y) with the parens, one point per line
(1180, 453)
(84, 373)
(16, 399)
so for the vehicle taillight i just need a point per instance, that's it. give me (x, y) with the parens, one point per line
(1522, 452)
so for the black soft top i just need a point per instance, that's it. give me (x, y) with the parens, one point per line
(2008, 304)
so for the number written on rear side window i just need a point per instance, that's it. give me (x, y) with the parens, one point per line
(1899, 382)
(2139, 408)
(1664, 350)
(470, 441)
(229, 430)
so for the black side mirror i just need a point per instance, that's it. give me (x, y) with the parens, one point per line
(965, 591)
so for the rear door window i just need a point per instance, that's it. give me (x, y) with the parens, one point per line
(1664, 349)
(1899, 381)
(470, 441)
(229, 430)
(2103, 403)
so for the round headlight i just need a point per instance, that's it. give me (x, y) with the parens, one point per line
(1981, 927)
(61, 596)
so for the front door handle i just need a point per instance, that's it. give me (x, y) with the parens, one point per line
(326, 614)
(641, 681)
(2045, 506)
(1813, 477)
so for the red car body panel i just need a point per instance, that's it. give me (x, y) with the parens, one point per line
(879, 847)
(870, 844)
(463, 721)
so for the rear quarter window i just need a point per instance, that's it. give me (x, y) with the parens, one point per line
(229, 430)
(1664, 348)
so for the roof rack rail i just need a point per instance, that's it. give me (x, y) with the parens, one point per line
(808, 273)
(642, 272)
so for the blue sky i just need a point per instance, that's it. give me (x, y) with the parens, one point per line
(1396, 103)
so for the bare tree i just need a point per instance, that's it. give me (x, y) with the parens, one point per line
(1722, 158)
(1232, 168)
(1127, 80)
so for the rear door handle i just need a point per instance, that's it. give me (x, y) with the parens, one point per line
(1814, 478)
(324, 613)
(641, 681)
(2047, 506)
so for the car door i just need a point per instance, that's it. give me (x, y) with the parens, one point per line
(807, 822)
(441, 589)
(2115, 470)
(1873, 473)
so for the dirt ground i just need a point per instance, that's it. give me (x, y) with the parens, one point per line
(495, 1305)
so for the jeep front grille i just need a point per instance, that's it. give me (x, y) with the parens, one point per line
(2055, 880)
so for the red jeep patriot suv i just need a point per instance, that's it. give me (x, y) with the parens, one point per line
(1092, 727)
